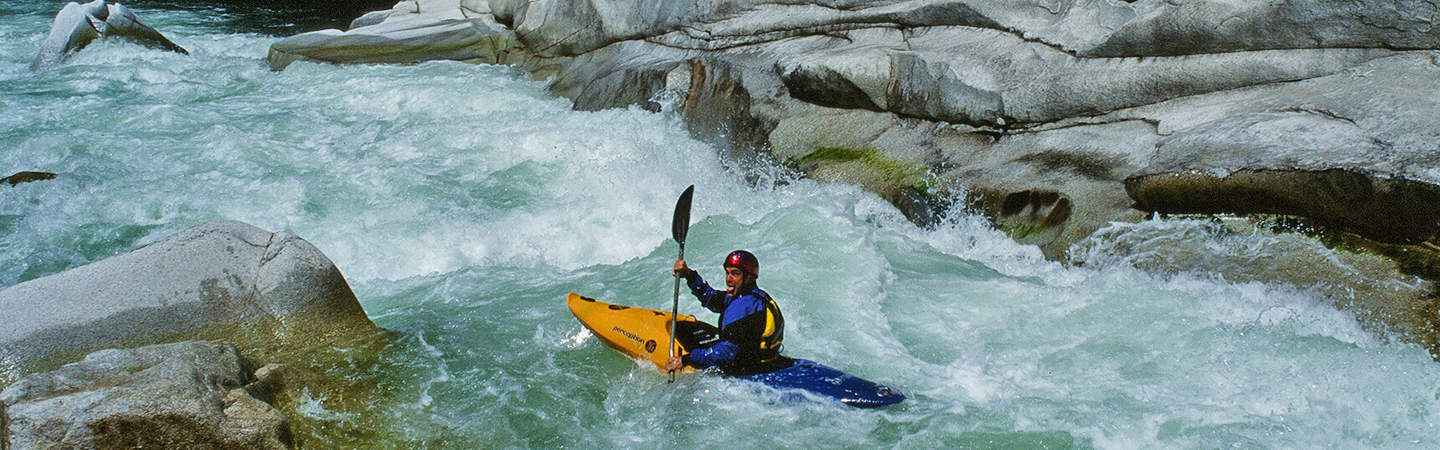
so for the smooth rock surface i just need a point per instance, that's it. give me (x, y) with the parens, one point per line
(441, 30)
(214, 280)
(77, 25)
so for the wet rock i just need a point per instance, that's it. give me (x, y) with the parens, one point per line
(76, 26)
(179, 395)
(1122, 109)
(411, 32)
(1268, 250)
(218, 280)
(26, 177)
(1034, 216)
(1353, 150)
(1386, 209)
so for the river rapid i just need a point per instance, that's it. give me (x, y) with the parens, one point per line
(462, 202)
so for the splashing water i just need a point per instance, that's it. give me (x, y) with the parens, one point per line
(462, 202)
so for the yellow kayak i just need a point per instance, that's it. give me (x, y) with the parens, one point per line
(640, 333)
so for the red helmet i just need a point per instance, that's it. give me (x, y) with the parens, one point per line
(743, 260)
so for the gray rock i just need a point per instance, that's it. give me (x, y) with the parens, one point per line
(180, 395)
(220, 279)
(371, 18)
(1347, 149)
(991, 78)
(451, 32)
(76, 26)
(1220, 26)
(737, 24)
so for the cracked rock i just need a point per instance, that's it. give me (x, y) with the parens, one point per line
(180, 395)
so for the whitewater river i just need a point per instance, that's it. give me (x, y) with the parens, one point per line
(462, 202)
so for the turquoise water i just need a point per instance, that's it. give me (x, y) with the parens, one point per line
(462, 202)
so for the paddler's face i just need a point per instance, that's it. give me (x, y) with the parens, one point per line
(734, 279)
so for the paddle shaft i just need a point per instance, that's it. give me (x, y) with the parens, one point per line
(675, 312)
(679, 227)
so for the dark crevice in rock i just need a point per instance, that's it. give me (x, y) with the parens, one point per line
(1021, 36)
(1321, 112)
(1094, 166)
(466, 12)
(1044, 208)
(1387, 210)
(827, 88)
(1033, 216)
(251, 302)
(944, 15)
(765, 37)
(1094, 55)
(1078, 122)
(546, 49)
(269, 253)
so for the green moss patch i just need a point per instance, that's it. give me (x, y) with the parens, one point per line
(881, 169)
(337, 367)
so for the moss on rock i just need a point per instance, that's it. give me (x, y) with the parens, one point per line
(908, 186)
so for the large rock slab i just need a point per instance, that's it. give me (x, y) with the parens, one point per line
(988, 78)
(411, 32)
(1219, 26)
(1356, 150)
(180, 395)
(220, 279)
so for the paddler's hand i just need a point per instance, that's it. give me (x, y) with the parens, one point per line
(674, 364)
(681, 270)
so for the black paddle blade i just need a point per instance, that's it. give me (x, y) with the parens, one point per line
(681, 225)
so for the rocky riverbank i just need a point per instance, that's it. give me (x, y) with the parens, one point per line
(280, 310)
(1058, 119)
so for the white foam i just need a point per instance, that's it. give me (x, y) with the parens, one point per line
(436, 184)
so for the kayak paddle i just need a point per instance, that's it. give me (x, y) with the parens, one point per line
(678, 228)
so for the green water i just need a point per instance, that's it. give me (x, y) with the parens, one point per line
(463, 202)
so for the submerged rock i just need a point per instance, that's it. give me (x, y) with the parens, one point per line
(218, 280)
(26, 177)
(181, 395)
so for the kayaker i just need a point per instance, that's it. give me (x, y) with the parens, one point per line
(751, 326)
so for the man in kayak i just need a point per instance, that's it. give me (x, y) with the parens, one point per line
(751, 327)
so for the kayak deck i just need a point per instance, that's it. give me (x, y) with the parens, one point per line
(640, 333)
